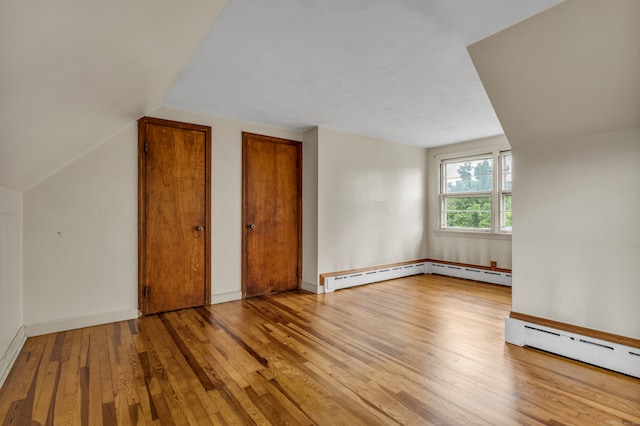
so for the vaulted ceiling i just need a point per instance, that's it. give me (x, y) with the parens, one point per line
(73, 73)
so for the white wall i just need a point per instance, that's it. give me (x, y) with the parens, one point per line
(80, 238)
(371, 206)
(576, 241)
(10, 267)
(456, 247)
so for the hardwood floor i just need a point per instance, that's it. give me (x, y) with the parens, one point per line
(417, 350)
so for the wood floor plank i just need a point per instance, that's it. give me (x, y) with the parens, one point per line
(14, 391)
(93, 370)
(72, 397)
(138, 362)
(191, 382)
(48, 381)
(417, 350)
(163, 355)
(127, 399)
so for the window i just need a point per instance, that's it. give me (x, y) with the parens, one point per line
(505, 191)
(475, 195)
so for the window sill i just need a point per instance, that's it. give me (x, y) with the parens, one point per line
(472, 234)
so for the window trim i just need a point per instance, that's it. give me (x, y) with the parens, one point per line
(503, 191)
(496, 194)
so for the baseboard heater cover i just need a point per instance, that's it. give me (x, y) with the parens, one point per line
(612, 356)
(367, 277)
(351, 279)
(470, 273)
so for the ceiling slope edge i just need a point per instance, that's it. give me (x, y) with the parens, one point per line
(75, 73)
(569, 71)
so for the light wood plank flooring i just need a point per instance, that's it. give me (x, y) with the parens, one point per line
(414, 351)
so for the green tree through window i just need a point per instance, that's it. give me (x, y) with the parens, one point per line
(468, 192)
(469, 212)
(473, 211)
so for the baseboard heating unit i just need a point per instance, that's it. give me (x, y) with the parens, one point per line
(337, 281)
(352, 279)
(602, 353)
(470, 273)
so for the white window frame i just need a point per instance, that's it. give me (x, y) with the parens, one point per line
(502, 191)
(497, 193)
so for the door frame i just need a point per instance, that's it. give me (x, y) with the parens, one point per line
(245, 201)
(142, 205)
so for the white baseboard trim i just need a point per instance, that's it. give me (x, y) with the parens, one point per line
(226, 297)
(613, 356)
(11, 354)
(312, 288)
(470, 273)
(46, 327)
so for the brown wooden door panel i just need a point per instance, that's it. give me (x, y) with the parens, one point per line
(174, 217)
(272, 215)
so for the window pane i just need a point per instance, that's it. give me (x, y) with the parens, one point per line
(468, 176)
(507, 168)
(505, 213)
(467, 212)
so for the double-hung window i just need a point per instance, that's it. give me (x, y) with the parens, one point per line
(475, 193)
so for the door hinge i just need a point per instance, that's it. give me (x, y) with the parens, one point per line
(146, 146)
(145, 292)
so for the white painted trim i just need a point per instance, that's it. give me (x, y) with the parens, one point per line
(312, 288)
(226, 297)
(11, 354)
(613, 356)
(46, 327)
(479, 147)
(471, 234)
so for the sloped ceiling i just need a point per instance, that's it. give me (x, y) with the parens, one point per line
(570, 71)
(73, 73)
(393, 70)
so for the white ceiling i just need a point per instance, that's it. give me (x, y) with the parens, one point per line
(74, 73)
(393, 70)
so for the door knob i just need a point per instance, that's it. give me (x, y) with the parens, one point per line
(199, 228)
(252, 226)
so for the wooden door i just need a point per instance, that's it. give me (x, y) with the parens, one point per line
(272, 214)
(174, 215)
